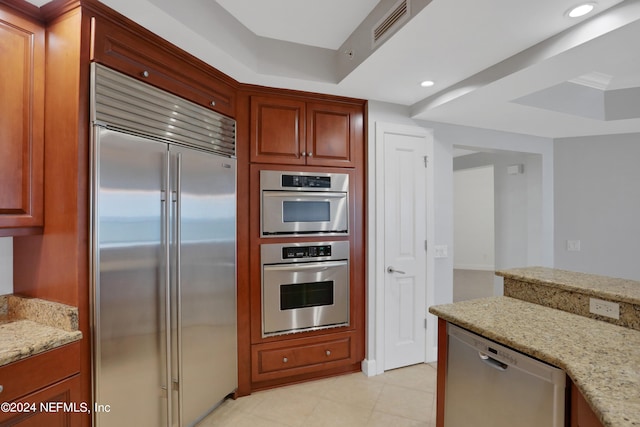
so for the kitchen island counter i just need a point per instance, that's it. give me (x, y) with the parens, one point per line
(602, 359)
(29, 326)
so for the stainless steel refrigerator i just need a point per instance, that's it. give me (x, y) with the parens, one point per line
(163, 249)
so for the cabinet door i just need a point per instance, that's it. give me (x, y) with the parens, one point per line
(334, 131)
(58, 405)
(149, 58)
(277, 130)
(21, 122)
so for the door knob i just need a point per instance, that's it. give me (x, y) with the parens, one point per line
(393, 270)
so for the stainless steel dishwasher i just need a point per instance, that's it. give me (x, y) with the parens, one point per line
(490, 385)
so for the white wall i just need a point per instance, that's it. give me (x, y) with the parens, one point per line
(473, 219)
(597, 201)
(6, 265)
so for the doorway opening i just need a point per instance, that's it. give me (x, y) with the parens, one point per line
(516, 178)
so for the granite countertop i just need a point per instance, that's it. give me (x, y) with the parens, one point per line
(615, 289)
(29, 326)
(602, 359)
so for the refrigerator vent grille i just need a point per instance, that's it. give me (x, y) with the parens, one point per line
(125, 103)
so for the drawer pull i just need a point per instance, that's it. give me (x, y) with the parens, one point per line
(212, 103)
(285, 360)
(1, 388)
(145, 74)
(328, 352)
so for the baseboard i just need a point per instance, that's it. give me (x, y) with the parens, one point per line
(432, 354)
(369, 367)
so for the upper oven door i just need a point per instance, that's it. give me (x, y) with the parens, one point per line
(304, 212)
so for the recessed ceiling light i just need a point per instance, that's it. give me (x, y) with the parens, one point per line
(427, 83)
(580, 10)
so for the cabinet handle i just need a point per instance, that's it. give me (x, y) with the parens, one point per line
(328, 352)
(1, 388)
(285, 360)
(145, 74)
(212, 103)
(310, 154)
(303, 154)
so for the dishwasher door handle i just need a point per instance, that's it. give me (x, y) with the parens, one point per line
(496, 364)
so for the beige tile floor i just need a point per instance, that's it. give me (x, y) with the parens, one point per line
(398, 398)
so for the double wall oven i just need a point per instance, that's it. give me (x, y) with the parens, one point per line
(305, 285)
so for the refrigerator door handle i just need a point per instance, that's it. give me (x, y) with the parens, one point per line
(178, 202)
(166, 229)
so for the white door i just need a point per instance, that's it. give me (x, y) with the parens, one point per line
(405, 255)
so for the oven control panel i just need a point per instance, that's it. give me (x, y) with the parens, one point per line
(289, 252)
(306, 181)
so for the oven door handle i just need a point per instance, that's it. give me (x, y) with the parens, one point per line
(305, 194)
(318, 266)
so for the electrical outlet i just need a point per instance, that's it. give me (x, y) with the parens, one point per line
(604, 308)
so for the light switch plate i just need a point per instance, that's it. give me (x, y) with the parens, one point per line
(573, 245)
(441, 251)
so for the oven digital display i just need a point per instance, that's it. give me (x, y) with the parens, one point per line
(305, 181)
(301, 295)
(290, 252)
(304, 211)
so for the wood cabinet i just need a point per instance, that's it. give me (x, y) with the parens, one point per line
(148, 58)
(33, 386)
(581, 413)
(282, 126)
(21, 123)
(301, 356)
(289, 130)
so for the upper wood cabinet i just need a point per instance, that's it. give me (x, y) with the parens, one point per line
(21, 124)
(287, 130)
(149, 58)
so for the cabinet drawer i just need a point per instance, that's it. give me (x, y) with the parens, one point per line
(42, 407)
(153, 60)
(297, 358)
(28, 375)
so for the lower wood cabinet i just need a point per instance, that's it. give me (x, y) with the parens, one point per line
(581, 413)
(286, 359)
(43, 390)
(57, 405)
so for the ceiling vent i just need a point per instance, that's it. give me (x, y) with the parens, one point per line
(398, 13)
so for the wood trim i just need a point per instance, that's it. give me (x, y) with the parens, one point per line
(243, 248)
(306, 96)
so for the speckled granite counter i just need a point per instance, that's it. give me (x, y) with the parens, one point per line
(602, 359)
(570, 291)
(29, 326)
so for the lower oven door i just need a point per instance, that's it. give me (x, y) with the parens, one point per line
(304, 296)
